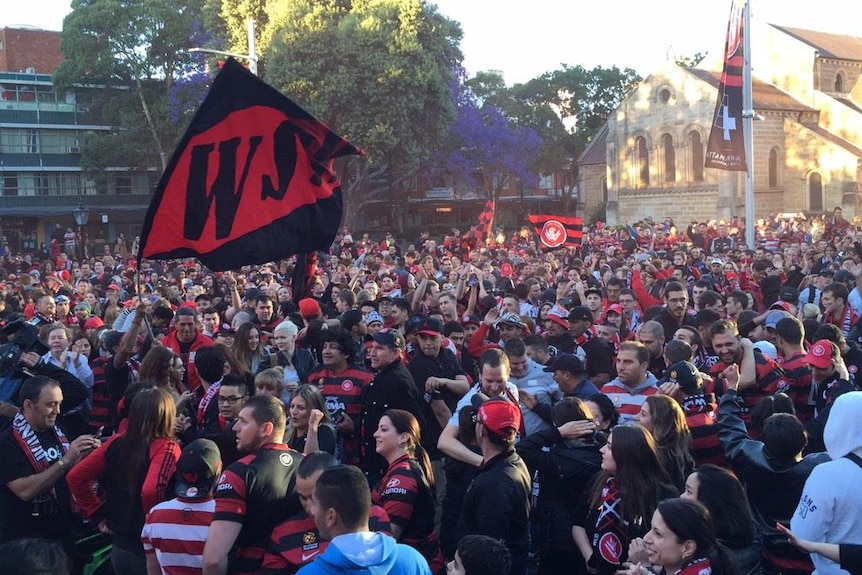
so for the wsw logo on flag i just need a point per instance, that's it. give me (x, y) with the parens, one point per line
(250, 182)
(557, 231)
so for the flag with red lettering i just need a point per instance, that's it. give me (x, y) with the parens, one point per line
(479, 233)
(557, 231)
(251, 181)
(725, 149)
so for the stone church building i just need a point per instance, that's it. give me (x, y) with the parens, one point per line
(807, 90)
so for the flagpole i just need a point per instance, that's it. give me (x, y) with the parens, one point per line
(748, 126)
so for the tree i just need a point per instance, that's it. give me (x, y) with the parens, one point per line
(136, 49)
(690, 61)
(379, 73)
(483, 141)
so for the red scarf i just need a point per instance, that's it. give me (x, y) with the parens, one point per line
(697, 567)
(212, 392)
(32, 448)
(610, 541)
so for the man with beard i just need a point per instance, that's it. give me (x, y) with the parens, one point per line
(253, 494)
(759, 375)
(674, 314)
(341, 382)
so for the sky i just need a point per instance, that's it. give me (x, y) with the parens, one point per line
(526, 38)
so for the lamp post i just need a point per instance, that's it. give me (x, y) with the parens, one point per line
(82, 215)
(252, 52)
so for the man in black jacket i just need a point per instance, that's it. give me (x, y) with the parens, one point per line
(392, 388)
(497, 504)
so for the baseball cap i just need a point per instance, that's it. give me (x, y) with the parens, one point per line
(84, 306)
(782, 305)
(827, 272)
(820, 354)
(594, 290)
(430, 326)
(61, 299)
(788, 293)
(308, 308)
(511, 319)
(686, 375)
(471, 319)
(581, 312)
(565, 362)
(716, 261)
(226, 329)
(373, 317)
(93, 322)
(558, 314)
(810, 311)
(773, 317)
(843, 276)
(499, 415)
(198, 469)
(389, 337)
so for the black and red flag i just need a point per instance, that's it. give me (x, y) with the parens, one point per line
(557, 231)
(478, 234)
(251, 181)
(725, 149)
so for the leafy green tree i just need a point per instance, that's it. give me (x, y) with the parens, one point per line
(136, 50)
(379, 72)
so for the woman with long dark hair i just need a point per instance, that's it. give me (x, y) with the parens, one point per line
(682, 541)
(248, 348)
(662, 416)
(406, 491)
(623, 498)
(133, 469)
(723, 495)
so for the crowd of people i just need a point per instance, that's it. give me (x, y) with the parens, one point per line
(657, 400)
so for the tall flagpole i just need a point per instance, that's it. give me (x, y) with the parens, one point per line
(748, 126)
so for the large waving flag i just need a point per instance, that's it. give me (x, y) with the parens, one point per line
(251, 181)
(557, 231)
(725, 149)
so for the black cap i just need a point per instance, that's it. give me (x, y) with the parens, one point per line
(198, 469)
(389, 337)
(430, 326)
(565, 362)
(686, 375)
(581, 312)
(225, 329)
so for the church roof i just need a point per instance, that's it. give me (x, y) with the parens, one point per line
(596, 150)
(829, 45)
(766, 96)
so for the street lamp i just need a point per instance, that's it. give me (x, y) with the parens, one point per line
(252, 52)
(82, 215)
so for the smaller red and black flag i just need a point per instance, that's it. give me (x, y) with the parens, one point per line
(251, 181)
(478, 234)
(725, 148)
(558, 231)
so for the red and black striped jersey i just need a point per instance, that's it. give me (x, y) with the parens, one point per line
(257, 491)
(343, 391)
(798, 377)
(769, 378)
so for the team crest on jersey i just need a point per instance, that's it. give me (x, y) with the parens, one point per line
(611, 548)
(309, 537)
(852, 368)
(286, 459)
(394, 482)
(346, 385)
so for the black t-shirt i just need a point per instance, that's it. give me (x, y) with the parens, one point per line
(46, 515)
(325, 440)
(422, 367)
(600, 357)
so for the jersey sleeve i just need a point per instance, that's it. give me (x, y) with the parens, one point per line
(230, 498)
(397, 496)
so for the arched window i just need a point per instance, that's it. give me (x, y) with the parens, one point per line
(839, 83)
(696, 156)
(773, 168)
(815, 192)
(669, 159)
(642, 162)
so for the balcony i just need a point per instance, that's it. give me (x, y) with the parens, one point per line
(38, 162)
(42, 206)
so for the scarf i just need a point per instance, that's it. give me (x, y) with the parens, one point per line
(698, 403)
(32, 448)
(212, 392)
(610, 541)
(697, 567)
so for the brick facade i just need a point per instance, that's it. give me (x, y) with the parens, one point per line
(806, 131)
(21, 49)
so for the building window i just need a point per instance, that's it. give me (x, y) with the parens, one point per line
(773, 168)
(669, 159)
(696, 156)
(642, 162)
(19, 141)
(10, 185)
(604, 190)
(664, 95)
(839, 83)
(123, 185)
(815, 192)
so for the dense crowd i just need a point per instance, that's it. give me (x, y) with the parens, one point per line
(657, 400)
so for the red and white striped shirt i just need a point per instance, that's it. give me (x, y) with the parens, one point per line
(176, 532)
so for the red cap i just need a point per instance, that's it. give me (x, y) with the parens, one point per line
(501, 417)
(308, 308)
(94, 322)
(820, 354)
(782, 305)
